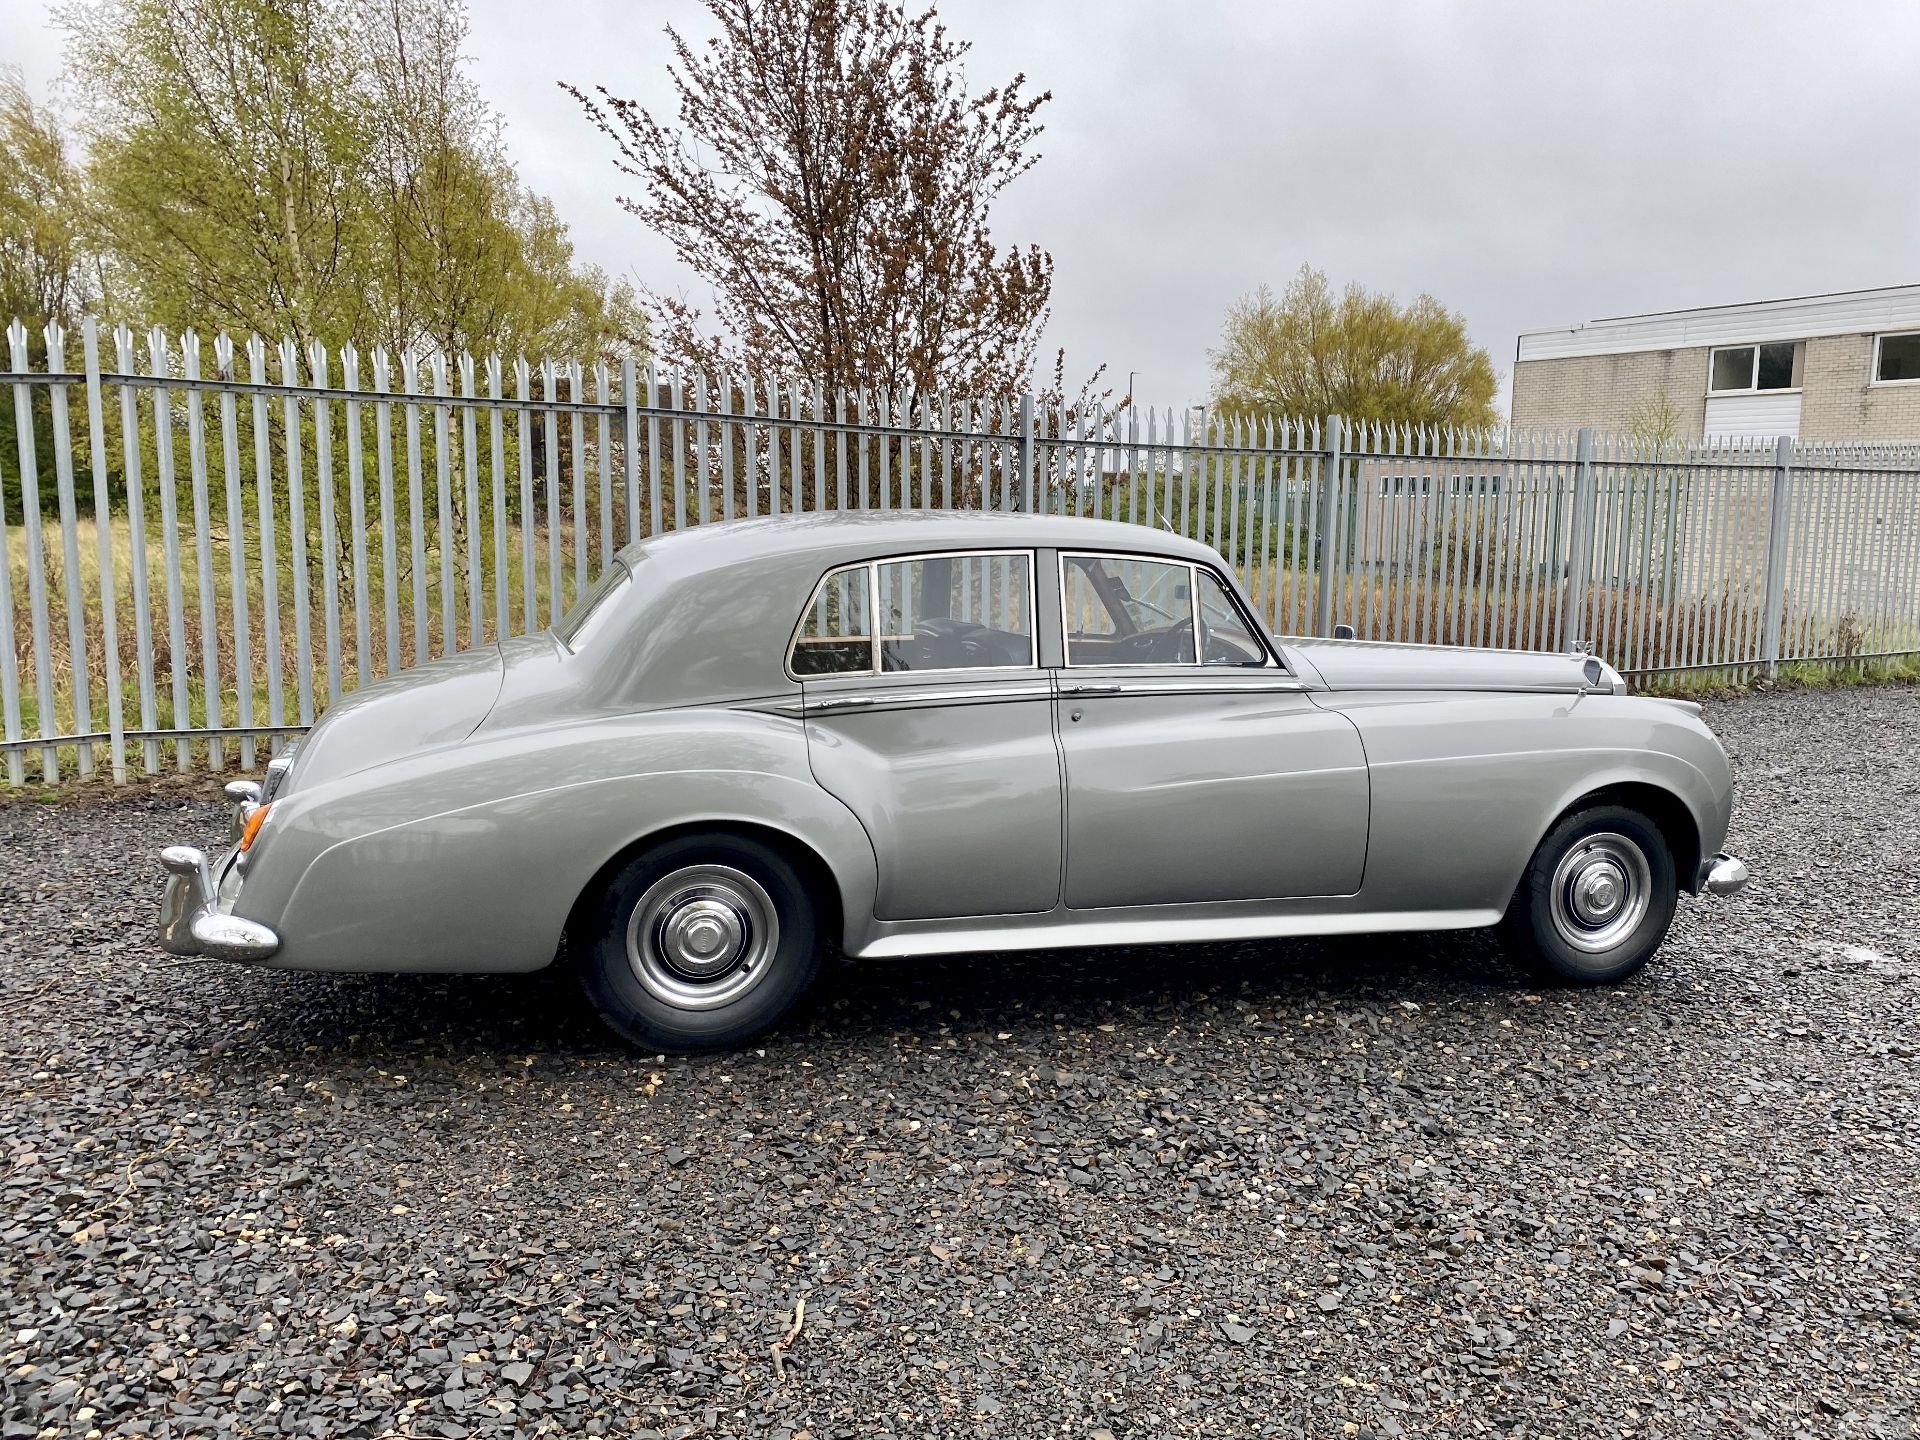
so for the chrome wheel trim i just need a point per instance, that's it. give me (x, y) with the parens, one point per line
(702, 936)
(1601, 891)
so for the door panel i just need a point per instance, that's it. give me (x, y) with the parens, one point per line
(1185, 787)
(957, 784)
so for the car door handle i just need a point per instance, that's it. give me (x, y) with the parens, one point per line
(1090, 689)
(840, 702)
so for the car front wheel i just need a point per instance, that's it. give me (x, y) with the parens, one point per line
(1597, 897)
(700, 943)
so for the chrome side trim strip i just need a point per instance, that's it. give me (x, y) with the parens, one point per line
(905, 696)
(1262, 686)
(1062, 929)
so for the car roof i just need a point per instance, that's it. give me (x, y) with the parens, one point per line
(847, 536)
(712, 607)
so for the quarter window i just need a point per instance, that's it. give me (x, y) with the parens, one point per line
(1747, 368)
(1897, 358)
(835, 636)
(1224, 637)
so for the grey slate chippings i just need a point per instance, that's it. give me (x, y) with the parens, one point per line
(1381, 1187)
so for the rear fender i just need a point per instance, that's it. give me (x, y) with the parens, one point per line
(472, 859)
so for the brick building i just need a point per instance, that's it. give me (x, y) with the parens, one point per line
(1821, 367)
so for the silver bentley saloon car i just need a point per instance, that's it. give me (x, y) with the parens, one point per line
(914, 733)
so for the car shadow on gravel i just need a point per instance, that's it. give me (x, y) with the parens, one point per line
(855, 1005)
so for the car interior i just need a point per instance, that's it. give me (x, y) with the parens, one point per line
(1123, 611)
(968, 612)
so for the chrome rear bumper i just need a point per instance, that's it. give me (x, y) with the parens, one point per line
(191, 923)
(1724, 874)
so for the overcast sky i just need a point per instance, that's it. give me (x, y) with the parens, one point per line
(1529, 164)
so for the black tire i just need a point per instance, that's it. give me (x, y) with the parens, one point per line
(1560, 920)
(646, 973)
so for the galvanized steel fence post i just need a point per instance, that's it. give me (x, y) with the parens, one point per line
(1776, 582)
(1330, 555)
(1573, 601)
(1023, 492)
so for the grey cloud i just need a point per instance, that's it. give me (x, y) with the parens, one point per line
(1529, 164)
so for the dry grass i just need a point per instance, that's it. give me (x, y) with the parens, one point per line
(180, 694)
(1631, 627)
(1666, 644)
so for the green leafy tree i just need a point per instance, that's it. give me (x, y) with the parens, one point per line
(1358, 354)
(47, 265)
(48, 269)
(831, 178)
(320, 169)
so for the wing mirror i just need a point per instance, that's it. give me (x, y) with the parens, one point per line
(1343, 632)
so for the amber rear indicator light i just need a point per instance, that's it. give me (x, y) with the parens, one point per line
(254, 822)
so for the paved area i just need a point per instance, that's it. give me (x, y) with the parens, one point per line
(1374, 1188)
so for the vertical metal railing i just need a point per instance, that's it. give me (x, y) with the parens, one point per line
(264, 537)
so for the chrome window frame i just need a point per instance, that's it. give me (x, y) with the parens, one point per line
(872, 567)
(1193, 568)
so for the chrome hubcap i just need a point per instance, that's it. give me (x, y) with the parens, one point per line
(1601, 890)
(1598, 894)
(701, 936)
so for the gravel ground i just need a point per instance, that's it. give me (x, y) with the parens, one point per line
(1367, 1188)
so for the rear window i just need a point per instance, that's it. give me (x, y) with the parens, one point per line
(578, 626)
(969, 610)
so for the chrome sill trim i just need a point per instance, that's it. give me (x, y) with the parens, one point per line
(1064, 929)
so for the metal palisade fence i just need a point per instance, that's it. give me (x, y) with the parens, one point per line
(201, 546)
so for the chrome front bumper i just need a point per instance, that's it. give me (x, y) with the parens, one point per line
(191, 923)
(1724, 874)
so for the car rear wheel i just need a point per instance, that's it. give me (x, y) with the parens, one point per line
(701, 943)
(1597, 897)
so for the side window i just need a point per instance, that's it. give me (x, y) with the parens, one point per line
(956, 612)
(1225, 639)
(1121, 611)
(835, 635)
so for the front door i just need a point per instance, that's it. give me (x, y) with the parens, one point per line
(935, 727)
(1197, 768)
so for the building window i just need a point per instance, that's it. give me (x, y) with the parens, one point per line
(1896, 358)
(1738, 369)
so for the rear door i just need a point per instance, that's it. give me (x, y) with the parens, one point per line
(935, 727)
(1197, 767)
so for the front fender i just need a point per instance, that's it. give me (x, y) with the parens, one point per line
(1464, 785)
(470, 859)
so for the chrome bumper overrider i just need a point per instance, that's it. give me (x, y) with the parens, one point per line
(190, 924)
(1724, 874)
